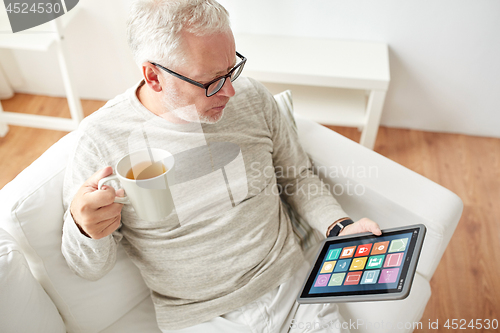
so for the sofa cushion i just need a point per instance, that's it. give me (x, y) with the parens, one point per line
(285, 104)
(32, 212)
(24, 305)
(141, 319)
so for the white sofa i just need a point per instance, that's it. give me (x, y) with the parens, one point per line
(39, 293)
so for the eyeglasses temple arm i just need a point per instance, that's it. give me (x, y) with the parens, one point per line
(179, 75)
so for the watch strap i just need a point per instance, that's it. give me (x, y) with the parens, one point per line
(339, 226)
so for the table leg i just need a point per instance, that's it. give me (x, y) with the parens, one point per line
(75, 105)
(373, 114)
(4, 128)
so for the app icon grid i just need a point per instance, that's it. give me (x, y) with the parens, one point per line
(377, 262)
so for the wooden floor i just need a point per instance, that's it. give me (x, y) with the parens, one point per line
(466, 284)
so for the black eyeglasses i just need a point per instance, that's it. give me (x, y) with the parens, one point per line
(212, 87)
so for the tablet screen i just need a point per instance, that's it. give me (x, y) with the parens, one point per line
(364, 265)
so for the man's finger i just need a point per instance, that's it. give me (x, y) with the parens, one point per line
(111, 226)
(363, 225)
(100, 198)
(374, 228)
(371, 226)
(108, 212)
(96, 177)
(96, 231)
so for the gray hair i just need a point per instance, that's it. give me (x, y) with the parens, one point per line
(154, 27)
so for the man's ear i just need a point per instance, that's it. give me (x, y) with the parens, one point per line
(151, 75)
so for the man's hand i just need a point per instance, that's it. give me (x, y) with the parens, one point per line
(363, 225)
(93, 210)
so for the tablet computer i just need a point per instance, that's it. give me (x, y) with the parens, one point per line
(364, 267)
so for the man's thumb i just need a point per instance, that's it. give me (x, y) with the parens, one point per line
(96, 177)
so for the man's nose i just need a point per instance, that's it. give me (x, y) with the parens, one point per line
(227, 89)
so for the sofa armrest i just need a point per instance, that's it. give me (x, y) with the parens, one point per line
(368, 184)
(24, 305)
(32, 212)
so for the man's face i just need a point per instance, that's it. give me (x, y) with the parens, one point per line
(207, 57)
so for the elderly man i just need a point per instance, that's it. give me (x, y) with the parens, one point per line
(237, 270)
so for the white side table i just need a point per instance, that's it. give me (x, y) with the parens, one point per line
(334, 82)
(41, 38)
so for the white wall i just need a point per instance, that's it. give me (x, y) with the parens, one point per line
(444, 54)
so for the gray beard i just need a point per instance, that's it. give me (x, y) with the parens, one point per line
(188, 113)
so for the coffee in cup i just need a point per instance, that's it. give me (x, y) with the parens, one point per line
(146, 170)
(146, 176)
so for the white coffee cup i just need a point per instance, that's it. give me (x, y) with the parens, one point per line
(151, 198)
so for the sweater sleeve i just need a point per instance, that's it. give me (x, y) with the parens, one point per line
(89, 258)
(299, 186)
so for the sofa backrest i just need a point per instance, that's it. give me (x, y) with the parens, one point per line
(32, 212)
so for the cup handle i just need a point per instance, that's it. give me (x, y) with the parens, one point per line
(122, 200)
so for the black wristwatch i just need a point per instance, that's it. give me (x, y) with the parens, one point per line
(339, 226)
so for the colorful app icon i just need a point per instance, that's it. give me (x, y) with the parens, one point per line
(394, 259)
(336, 279)
(370, 277)
(322, 280)
(375, 262)
(347, 252)
(328, 267)
(342, 265)
(352, 278)
(389, 275)
(333, 254)
(380, 248)
(398, 245)
(363, 250)
(358, 263)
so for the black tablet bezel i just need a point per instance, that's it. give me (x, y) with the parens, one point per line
(405, 280)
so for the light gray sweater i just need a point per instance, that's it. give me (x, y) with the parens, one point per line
(201, 267)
